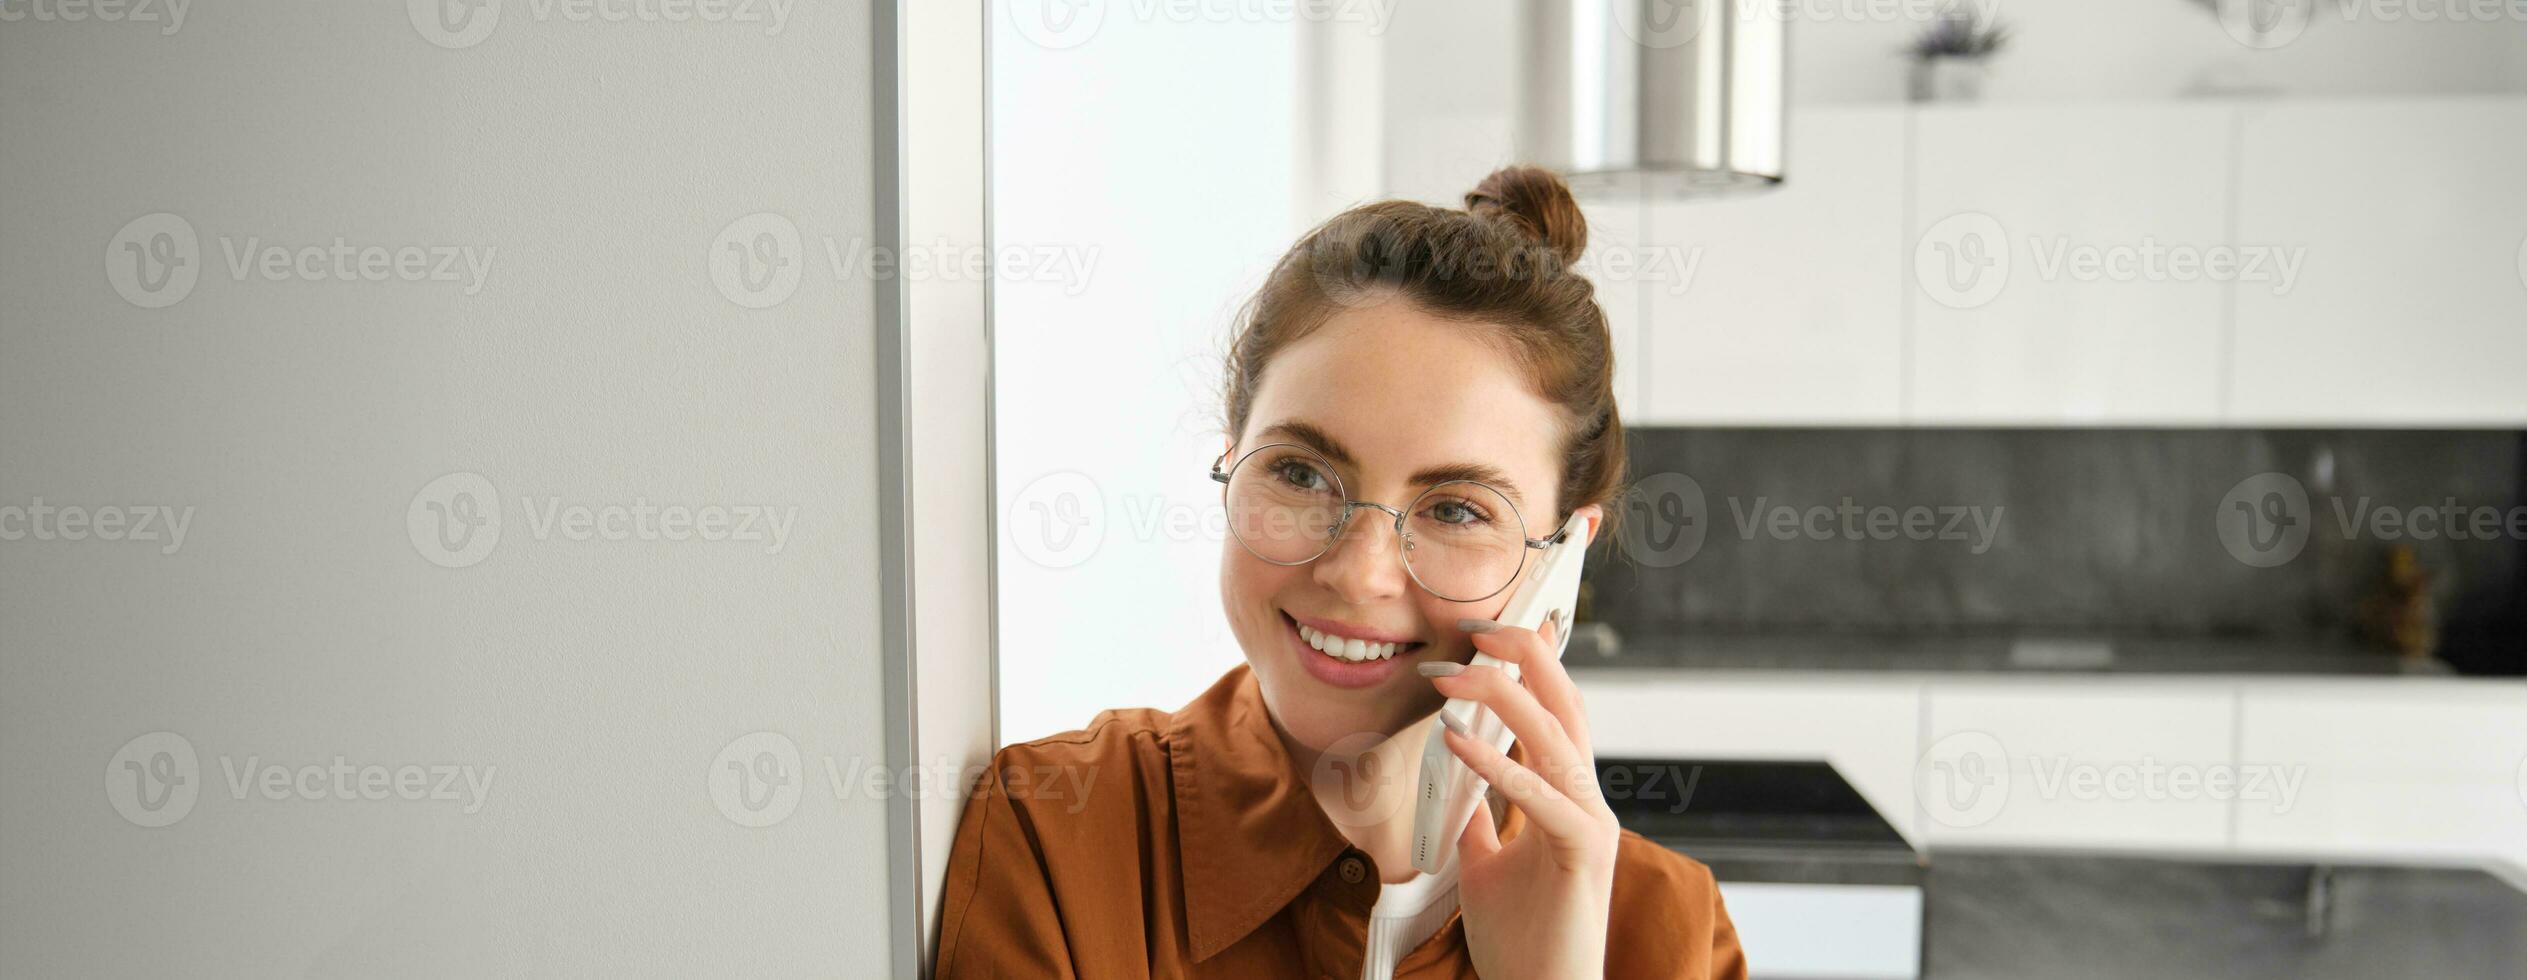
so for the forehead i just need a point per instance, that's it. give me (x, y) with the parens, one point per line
(1404, 390)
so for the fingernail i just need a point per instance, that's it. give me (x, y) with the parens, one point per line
(1478, 626)
(1452, 723)
(1440, 668)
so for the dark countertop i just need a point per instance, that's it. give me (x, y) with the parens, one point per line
(1598, 645)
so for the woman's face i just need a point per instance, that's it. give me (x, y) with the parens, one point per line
(1385, 392)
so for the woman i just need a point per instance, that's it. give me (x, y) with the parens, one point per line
(1415, 398)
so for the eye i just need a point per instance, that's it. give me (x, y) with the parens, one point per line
(1457, 512)
(1299, 474)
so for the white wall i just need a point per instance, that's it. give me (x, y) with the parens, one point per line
(598, 684)
(1162, 149)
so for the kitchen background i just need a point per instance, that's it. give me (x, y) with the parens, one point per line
(2107, 395)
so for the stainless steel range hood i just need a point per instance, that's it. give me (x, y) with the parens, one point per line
(1655, 98)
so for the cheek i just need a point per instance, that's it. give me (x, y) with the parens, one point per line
(1248, 585)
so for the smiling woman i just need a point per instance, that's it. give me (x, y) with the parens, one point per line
(1448, 373)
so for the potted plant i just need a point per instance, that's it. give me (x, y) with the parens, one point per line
(1951, 58)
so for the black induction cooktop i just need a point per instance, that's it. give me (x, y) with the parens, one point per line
(1798, 821)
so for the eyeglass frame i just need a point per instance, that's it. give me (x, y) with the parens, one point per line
(1350, 506)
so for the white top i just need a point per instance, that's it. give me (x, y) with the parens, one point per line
(1407, 914)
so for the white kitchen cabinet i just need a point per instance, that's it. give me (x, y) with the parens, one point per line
(1783, 307)
(2413, 307)
(2420, 775)
(2060, 263)
(2037, 764)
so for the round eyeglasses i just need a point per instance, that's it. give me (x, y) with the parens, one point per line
(1461, 540)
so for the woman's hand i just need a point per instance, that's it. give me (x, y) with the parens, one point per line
(1537, 906)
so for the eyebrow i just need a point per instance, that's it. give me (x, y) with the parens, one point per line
(1325, 445)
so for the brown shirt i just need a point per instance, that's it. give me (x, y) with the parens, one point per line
(1154, 844)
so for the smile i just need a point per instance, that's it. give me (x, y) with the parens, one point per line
(1353, 649)
(1346, 655)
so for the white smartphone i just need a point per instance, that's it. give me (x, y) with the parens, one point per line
(1450, 791)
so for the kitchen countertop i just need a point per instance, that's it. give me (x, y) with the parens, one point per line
(1597, 646)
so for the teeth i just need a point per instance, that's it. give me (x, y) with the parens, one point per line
(1352, 649)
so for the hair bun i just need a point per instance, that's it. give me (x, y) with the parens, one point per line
(1538, 202)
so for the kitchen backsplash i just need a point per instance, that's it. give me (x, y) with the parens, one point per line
(2246, 534)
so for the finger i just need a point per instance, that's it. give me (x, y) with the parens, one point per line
(1535, 728)
(1479, 839)
(1562, 820)
(1542, 671)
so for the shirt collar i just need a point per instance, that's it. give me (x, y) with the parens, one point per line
(1249, 834)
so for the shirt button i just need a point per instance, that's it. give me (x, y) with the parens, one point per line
(1353, 870)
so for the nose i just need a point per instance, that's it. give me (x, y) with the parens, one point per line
(1363, 566)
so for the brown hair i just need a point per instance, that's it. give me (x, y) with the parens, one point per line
(1505, 259)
